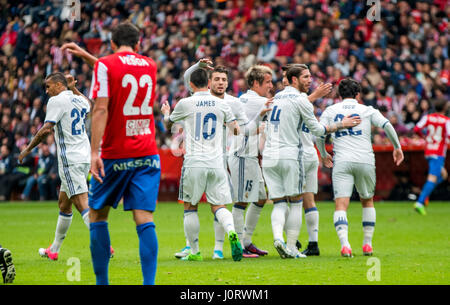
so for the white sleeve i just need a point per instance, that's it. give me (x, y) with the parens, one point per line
(180, 112)
(99, 86)
(447, 126)
(307, 112)
(55, 110)
(228, 114)
(241, 116)
(377, 119)
(187, 76)
(422, 122)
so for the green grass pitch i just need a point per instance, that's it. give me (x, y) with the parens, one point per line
(408, 249)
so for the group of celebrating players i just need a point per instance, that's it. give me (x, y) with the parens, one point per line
(224, 137)
(289, 160)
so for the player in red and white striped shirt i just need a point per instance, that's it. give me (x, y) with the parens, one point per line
(437, 128)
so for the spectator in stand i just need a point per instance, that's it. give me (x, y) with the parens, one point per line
(6, 168)
(8, 40)
(19, 175)
(407, 50)
(266, 50)
(285, 45)
(40, 175)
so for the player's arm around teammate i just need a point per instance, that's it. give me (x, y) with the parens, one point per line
(204, 173)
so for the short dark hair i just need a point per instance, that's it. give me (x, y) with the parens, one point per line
(440, 105)
(219, 69)
(125, 34)
(349, 88)
(295, 70)
(286, 67)
(199, 78)
(57, 77)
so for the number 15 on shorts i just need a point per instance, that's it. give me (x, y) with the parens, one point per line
(248, 186)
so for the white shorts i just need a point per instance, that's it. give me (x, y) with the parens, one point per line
(214, 182)
(311, 182)
(284, 178)
(348, 174)
(246, 179)
(74, 178)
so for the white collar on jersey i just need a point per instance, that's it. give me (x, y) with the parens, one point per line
(250, 91)
(202, 93)
(352, 100)
(290, 88)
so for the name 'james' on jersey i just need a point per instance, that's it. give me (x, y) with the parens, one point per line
(203, 115)
(128, 80)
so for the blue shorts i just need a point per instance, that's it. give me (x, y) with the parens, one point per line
(134, 179)
(435, 165)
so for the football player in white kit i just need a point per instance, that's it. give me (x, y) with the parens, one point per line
(311, 166)
(282, 156)
(67, 109)
(354, 161)
(203, 171)
(246, 176)
(218, 82)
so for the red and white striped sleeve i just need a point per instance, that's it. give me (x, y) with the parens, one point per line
(99, 86)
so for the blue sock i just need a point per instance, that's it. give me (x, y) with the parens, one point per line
(148, 251)
(426, 191)
(100, 250)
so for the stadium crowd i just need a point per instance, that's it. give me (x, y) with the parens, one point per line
(402, 59)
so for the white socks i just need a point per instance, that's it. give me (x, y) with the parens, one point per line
(312, 224)
(192, 229)
(278, 219)
(62, 226)
(341, 226)
(368, 222)
(225, 218)
(238, 218)
(293, 224)
(251, 219)
(219, 236)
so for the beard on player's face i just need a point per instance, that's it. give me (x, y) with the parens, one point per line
(215, 91)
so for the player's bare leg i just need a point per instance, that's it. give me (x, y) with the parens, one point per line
(368, 222)
(312, 224)
(341, 225)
